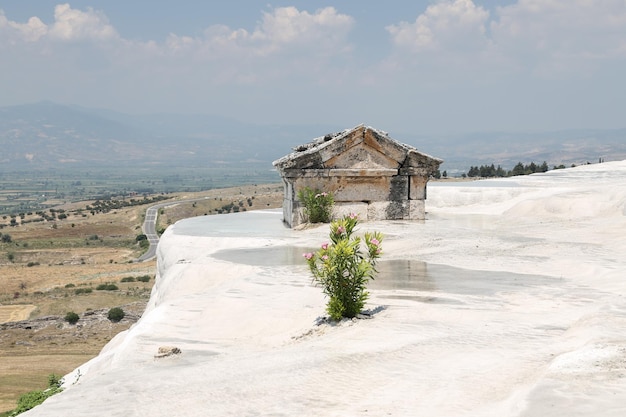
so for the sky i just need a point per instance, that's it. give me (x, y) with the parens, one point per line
(417, 66)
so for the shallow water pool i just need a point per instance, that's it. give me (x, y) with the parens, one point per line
(399, 274)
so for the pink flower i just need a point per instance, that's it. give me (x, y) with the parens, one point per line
(353, 216)
(375, 242)
(325, 257)
(341, 230)
(325, 246)
(308, 255)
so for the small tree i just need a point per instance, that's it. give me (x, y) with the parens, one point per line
(71, 317)
(116, 314)
(318, 205)
(342, 268)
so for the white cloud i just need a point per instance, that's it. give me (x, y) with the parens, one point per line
(72, 24)
(30, 31)
(447, 25)
(289, 26)
(286, 42)
(301, 41)
(541, 38)
(281, 30)
(561, 37)
(455, 57)
(69, 25)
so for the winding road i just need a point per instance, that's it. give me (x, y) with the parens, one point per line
(149, 226)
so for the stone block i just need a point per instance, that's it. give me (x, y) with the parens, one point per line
(417, 210)
(345, 209)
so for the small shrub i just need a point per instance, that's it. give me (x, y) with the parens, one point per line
(69, 285)
(318, 205)
(54, 381)
(343, 270)
(31, 264)
(128, 279)
(116, 314)
(79, 291)
(144, 278)
(71, 317)
(34, 398)
(107, 287)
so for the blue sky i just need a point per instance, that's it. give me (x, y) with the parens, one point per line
(412, 66)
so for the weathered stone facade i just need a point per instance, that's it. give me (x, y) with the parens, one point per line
(368, 173)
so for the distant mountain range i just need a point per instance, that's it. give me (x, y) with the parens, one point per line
(49, 135)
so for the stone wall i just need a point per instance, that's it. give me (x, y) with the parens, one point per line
(381, 194)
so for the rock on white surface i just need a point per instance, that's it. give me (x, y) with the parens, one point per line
(509, 300)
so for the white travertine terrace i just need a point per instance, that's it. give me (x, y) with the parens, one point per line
(530, 321)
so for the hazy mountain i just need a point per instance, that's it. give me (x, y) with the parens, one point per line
(52, 135)
(46, 134)
(565, 147)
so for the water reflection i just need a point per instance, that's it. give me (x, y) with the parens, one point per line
(272, 256)
(402, 274)
(399, 274)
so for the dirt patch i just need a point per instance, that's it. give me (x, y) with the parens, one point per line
(16, 312)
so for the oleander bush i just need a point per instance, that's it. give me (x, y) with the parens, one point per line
(343, 268)
(318, 205)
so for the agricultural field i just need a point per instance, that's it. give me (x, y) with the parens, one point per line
(35, 190)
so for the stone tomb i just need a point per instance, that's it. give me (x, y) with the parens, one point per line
(367, 172)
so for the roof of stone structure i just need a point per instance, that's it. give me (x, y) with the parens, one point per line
(361, 147)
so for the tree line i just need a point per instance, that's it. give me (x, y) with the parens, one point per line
(486, 171)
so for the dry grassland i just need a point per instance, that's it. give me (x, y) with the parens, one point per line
(47, 263)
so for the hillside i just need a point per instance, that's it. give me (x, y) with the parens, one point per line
(47, 135)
